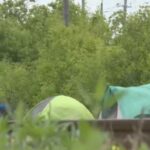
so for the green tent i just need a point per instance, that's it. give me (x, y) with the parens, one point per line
(126, 102)
(61, 108)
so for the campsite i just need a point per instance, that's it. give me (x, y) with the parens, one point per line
(72, 79)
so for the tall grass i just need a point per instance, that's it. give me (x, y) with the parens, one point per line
(32, 134)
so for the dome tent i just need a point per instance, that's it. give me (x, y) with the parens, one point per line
(61, 108)
(126, 102)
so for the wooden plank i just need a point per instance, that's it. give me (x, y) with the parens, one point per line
(119, 125)
(124, 125)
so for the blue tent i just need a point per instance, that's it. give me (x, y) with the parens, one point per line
(3, 109)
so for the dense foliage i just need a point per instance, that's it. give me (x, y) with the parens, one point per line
(40, 57)
(29, 134)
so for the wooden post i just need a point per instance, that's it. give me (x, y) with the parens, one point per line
(83, 5)
(125, 9)
(66, 12)
(101, 7)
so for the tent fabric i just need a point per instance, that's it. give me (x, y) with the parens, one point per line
(132, 101)
(61, 108)
(40, 106)
(66, 108)
(3, 109)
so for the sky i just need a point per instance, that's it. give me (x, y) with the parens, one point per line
(109, 5)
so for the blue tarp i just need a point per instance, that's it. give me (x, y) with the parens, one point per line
(132, 101)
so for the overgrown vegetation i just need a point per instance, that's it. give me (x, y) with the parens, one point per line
(30, 134)
(40, 57)
(44, 58)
